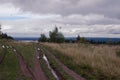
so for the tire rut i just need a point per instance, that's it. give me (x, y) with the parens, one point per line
(39, 74)
(3, 54)
(23, 65)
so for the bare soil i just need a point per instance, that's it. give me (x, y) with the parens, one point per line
(39, 74)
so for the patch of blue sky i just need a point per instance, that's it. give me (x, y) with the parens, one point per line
(13, 17)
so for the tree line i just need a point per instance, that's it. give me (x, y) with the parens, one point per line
(57, 37)
(4, 35)
(54, 36)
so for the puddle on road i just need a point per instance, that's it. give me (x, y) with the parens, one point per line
(48, 65)
(3, 46)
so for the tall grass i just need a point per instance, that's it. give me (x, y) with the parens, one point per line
(100, 60)
(9, 69)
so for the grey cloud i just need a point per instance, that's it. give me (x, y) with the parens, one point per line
(108, 8)
(90, 19)
(73, 14)
(38, 26)
(68, 7)
(113, 31)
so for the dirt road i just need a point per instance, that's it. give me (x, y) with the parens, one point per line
(39, 74)
(23, 66)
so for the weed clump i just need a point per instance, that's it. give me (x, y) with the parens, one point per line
(118, 53)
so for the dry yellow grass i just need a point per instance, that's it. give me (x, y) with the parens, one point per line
(99, 57)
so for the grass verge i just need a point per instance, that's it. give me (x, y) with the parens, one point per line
(104, 67)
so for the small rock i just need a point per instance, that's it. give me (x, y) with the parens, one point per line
(15, 50)
(38, 48)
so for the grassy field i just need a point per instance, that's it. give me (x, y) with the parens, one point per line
(94, 62)
(10, 70)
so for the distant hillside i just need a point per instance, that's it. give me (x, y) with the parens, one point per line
(71, 38)
(26, 38)
(5, 36)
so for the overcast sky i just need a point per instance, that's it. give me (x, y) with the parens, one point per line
(88, 18)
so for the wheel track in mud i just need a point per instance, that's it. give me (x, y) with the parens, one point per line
(37, 73)
(23, 65)
(3, 54)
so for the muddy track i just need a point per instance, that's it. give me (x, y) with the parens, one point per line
(39, 74)
(23, 65)
(3, 55)
(65, 68)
